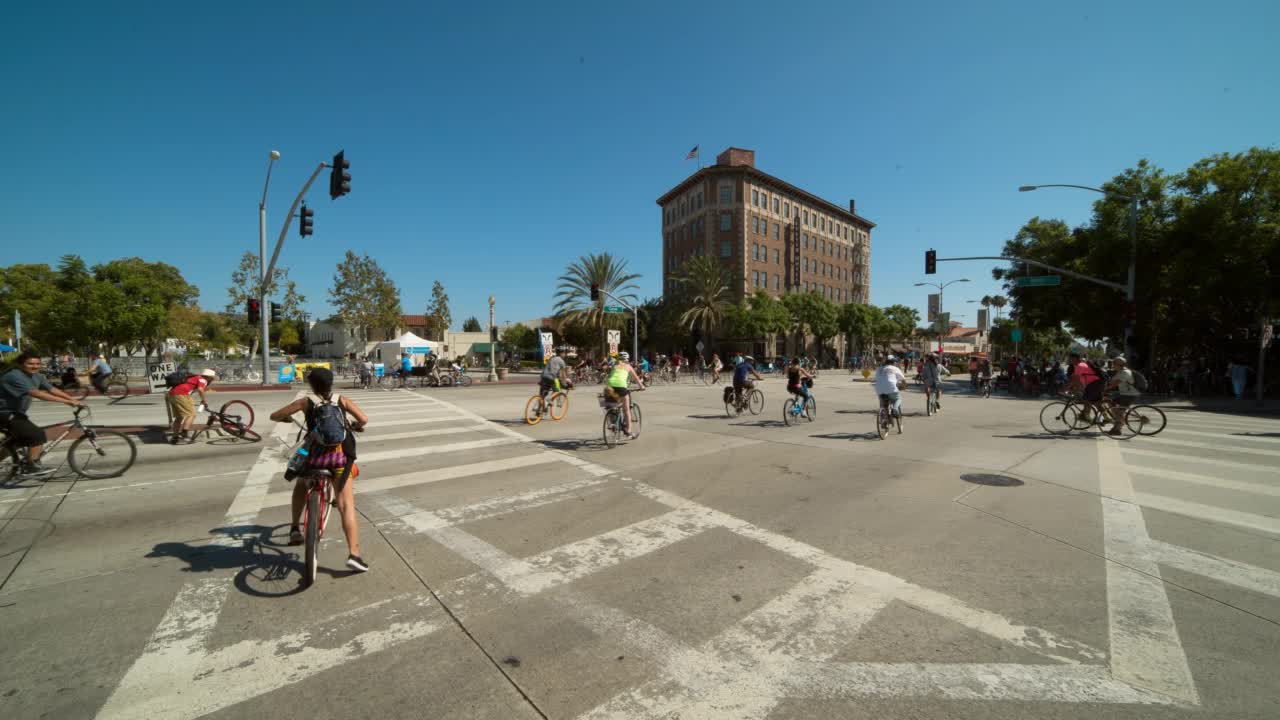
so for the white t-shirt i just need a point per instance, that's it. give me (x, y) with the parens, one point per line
(887, 379)
(1124, 382)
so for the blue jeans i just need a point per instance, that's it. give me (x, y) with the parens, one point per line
(800, 390)
(895, 401)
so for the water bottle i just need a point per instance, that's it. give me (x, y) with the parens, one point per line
(297, 463)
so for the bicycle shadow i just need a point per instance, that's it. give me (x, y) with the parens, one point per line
(721, 416)
(760, 424)
(850, 436)
(573, 445)
(266, 569)
(1051, 436)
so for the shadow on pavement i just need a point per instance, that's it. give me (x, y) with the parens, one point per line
(266, 569)
(504, 421)
(1049, 436)
(573, 445)
(991, 480)
(850, 436)
(760, 423)
(720, 416)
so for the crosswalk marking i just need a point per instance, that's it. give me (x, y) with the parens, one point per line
(422, 450)
(1210, 512)
(369, 437)
(1223, 436)
(1250, 577)
(1173, 443)
(1183, 459)
(1207, 480)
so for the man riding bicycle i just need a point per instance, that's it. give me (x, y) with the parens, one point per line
(741, 382)
(554, 374)
(932, 374)
(17, 387)
(99, 373)
(889, 383)
(616, 389)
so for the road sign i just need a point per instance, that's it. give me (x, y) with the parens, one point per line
(983, 317)
(614, 309)
(700, 346)
(1038, 281)
(615, 337)
(1016, 335)
(156, 373)
(546, 346)
(934, 300)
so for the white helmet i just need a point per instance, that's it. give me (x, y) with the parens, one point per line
(624, 356)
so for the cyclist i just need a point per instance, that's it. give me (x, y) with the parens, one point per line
(932, 374)
(796, 376)
(99, 373)
(984, 374)
(616, 388)
(321, 382)
(1086, 380)
(183, 408)
(741, 382)
(553, 374)
(406, 366)
(716, 367)
(973, 373)
(644, 368)
(1126, 392)
(890, 381)
(17, 387)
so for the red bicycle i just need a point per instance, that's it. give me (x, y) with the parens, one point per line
(321, 496)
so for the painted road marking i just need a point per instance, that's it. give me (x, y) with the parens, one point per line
(1262, 523)
(1267, 469)
(1208, 480)
(1220, 447)
(1250, 577)
(126, 487)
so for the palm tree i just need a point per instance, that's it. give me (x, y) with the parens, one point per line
(573, 294)
(707, 292)
(998, 302)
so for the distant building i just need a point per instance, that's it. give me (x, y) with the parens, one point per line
(766, 232)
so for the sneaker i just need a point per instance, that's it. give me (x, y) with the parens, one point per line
(33, 469)
(295, 536)
(632, 436)
(357, 563)
(1116, 432)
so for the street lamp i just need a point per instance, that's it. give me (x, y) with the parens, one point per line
(493, 375)
(1131, 286)
(272, 157)
(941, 287)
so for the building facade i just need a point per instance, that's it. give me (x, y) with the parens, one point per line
(767, 233)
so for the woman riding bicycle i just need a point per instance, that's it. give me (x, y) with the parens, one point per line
(341, 459)
(796, 376)
(616, 388)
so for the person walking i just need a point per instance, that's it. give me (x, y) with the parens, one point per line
(1238, 371)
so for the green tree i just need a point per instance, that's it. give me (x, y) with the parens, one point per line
(30, 291)
(364, 297)
(150, 290)
(472, 324)
(573, 293)
(519, 336)
(900, 322)
(245, 282)
(438, 317)
(811, 313)
(706, 295)
(866, 323)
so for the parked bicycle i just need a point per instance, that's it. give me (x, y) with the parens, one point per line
(95, 453)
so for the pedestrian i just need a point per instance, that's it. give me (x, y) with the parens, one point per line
(17, 387)
(181, 405)
(1238, 371)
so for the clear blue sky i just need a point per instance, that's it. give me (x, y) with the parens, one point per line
(491, 143)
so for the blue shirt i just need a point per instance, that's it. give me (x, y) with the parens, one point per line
(644, 365)
(101, 367)
(16, 387)
(742, 370)
(406, 364)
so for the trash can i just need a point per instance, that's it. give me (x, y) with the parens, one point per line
(502, 373)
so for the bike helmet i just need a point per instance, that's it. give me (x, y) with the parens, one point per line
(890, 360)
(624, 356)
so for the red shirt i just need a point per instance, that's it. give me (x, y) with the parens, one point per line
(1085, 373)
(193, 383)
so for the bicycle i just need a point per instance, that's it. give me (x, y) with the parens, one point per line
(886, 418)
(235, 418)
(96, 454)
(792, 410)
(751, 399)
(555, 404)
(984, 387)
(614, 422)
(1146, 420)
(115, 387)
(930, 401)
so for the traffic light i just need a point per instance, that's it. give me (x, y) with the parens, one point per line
(276, 312)
(254, 310)
(339, 178)
(595, 292)
(930, 262)
(305, 223)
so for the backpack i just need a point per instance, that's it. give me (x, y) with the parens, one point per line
(1139, 381)
(327, 421)
(1096, 368)
(176, 378)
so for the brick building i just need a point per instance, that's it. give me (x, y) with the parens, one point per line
(766, 232)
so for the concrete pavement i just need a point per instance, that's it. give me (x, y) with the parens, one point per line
(713, 568)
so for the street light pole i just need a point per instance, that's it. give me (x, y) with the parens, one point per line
(941, 287)
(1131, 287)
(262, 270)
(493, 375)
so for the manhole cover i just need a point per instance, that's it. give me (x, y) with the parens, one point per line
(994, 480)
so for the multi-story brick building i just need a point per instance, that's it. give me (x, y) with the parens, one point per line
(766, 232)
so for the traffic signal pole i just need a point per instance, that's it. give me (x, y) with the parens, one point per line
(635, 316)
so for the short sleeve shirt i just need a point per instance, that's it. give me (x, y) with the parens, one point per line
(742, 371)
(406, 364)
(1086, 374)
(193, 383)
(1124, 382)
(554, 367)
(16, 387)
(101, 367)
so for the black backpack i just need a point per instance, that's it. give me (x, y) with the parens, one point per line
(176, 378)
(327, 421)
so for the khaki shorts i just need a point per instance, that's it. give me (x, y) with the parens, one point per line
(182, 406)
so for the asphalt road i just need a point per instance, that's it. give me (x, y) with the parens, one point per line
(972, 567)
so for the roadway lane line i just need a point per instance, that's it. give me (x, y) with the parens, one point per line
(1145, 648)
(1201, 511)
(130, 485)
(1249, 577)
(367, 437)
(1207, 480)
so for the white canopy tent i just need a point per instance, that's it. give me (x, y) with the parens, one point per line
(389, 352)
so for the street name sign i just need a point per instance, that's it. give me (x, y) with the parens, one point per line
(1038, 281)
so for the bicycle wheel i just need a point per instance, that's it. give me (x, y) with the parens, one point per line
(1057, 418)
(117, 389)
(811, 408)
(1145, 419)
(1082, 419)
(312, 535)
(465, 380)
(611, 428)
(788, 411)
(102, 454)
(755, 403)
(8, 462)
(533, 410)
(635, 419)
(559, 405)
(237, 413)
(882, 422)
(252, 376)
(731, 408)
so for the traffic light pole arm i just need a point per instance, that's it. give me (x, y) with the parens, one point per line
(288, 220)
(1037, 263)
(635, 314)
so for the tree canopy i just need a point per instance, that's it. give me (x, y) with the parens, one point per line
(363, 295)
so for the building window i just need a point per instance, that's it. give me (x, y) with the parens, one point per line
(822, 224)
(726, 221)
(786, 210)
(755, 278)
(822, 269)
(806, 264)
(777, 282)
(822, 246)
(764, 227)
(777, 231)
(806, 218)
(764, 203)
(777, 255)
(699, 199)
(726, 249)
(755, 197)
(755, 225)
(775, 204)
(726, 194)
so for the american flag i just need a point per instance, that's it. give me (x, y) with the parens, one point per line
(692, 153)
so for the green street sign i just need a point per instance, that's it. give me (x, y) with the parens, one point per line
(614, 309)
(1038, 281)
(1015, 335)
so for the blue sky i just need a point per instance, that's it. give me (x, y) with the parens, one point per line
(492, 143)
